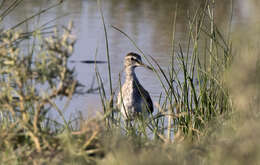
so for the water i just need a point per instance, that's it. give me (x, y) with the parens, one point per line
(149, 23)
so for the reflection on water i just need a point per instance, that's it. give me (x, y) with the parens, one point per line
(148, 22)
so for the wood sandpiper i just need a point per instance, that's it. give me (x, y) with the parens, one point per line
(133, 100)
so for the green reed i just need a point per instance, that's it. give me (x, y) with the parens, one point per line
(193, 87)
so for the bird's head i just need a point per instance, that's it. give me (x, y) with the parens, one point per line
(134, 60)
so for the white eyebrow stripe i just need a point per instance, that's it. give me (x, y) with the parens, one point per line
(129, 57)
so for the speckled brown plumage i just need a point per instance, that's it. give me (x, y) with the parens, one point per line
(133, 99)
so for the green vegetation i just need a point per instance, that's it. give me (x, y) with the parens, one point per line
(209, 114)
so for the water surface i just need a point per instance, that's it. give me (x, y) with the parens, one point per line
(149, 23)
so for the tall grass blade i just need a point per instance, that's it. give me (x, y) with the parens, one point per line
(107, 50)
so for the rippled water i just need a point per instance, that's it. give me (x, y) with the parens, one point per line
(149, 23)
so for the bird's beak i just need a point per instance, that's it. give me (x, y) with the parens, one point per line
(146, 66)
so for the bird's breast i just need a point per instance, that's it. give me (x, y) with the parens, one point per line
(131, 103)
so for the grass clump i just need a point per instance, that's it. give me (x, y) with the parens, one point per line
(30, 83)
(193, 85)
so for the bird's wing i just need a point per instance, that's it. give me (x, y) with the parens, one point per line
(147, 98)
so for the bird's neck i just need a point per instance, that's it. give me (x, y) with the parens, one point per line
(130, 74)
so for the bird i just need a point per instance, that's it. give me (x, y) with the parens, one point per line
(133, 100)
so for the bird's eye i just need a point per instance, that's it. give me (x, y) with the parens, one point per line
(133, 59)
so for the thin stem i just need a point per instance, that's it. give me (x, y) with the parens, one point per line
(107, 51)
